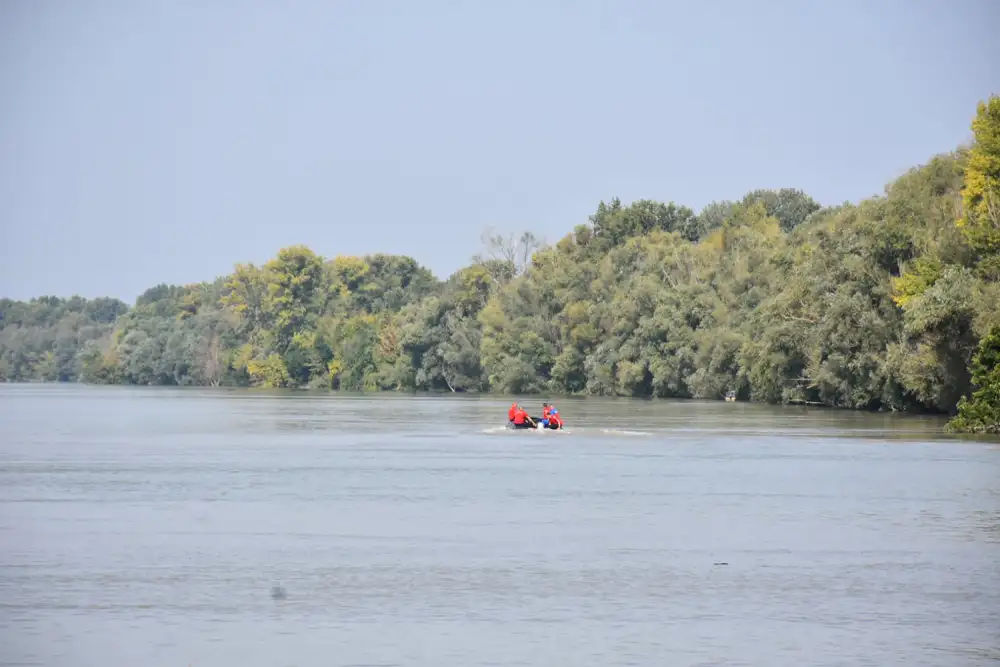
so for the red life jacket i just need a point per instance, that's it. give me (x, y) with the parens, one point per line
(511, 412)
(520, 416)
(546, 412)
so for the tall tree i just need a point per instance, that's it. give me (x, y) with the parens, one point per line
(981, 195)
(981, 412)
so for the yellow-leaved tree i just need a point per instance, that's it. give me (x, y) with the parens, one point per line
(981, 192)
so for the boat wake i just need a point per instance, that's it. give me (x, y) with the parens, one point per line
(567, 431)
(618, 431)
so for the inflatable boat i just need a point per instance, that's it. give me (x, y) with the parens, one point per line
(536, 426)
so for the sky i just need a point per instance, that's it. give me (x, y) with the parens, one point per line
(146, 142)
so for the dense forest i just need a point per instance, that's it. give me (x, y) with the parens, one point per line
(892, 303)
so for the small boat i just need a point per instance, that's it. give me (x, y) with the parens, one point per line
(536, 426)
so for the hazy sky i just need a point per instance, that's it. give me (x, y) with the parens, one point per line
(145, 142)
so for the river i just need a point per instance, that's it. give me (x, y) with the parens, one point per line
(175, 527)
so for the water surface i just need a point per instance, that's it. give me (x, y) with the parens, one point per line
(149, 526)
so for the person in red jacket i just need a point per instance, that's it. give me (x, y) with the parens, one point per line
(546, 411)
(522, 419)
(555, 421)
(512, 412)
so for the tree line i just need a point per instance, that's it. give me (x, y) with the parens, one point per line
(892, 303)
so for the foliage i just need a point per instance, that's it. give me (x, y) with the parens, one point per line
(981, 195)
(981, 413)
(790, 207)
(884, 304)
(45, 339)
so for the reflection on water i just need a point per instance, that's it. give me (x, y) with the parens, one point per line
(232, 527)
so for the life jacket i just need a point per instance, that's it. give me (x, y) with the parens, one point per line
(512, 412)
(520, 416)
(554, 418)
(546, 411)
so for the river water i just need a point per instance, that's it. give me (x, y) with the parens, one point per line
(149, 527)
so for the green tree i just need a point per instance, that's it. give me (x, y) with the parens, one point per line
(295, 292)
(981, 412)
(981, 195)
(791, 207)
